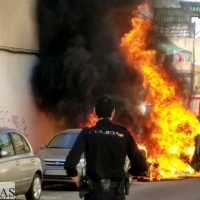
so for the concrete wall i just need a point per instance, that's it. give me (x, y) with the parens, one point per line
(18, 24)
(17, 108)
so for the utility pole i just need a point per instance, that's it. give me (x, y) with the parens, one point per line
(193, 60)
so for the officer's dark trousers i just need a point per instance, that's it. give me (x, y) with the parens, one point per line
(99, 195)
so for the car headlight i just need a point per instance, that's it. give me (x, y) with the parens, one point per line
(81, 163)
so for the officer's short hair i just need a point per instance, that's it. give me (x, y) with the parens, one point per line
(104, 107)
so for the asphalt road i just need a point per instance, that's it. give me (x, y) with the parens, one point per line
(184, 189)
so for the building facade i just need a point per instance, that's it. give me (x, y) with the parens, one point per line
(176, 21)
(18, 55)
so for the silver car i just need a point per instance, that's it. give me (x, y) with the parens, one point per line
(54, 155)
(19, 165)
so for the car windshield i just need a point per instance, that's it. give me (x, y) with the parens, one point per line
(63, 140)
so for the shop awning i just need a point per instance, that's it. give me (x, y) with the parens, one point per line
(169, 48)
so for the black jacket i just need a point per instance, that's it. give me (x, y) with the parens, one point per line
(106, 146)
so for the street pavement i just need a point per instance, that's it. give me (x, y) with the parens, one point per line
(183, 189)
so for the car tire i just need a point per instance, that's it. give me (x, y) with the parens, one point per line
(35, 189)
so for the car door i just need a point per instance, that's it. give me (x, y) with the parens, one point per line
(9, 164)
(27, 165)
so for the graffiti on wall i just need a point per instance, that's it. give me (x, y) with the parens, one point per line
(8, 120)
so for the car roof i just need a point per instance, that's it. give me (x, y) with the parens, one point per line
(72, 130)
(3, 129)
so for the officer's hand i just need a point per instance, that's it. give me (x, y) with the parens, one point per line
(76, 179)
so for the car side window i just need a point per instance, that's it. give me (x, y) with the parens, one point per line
(6, 144)
(20, 144)
(27, 147)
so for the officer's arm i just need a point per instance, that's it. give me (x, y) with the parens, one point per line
(74, 157)
(138, 161)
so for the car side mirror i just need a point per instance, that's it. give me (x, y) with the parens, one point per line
(3, 153)
(42, 146)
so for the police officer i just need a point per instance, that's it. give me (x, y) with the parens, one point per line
(106, 146)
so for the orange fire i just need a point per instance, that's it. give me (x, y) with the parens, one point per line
(91, 120)
(172, 127)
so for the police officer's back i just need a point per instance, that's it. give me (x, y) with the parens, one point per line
(106, 146)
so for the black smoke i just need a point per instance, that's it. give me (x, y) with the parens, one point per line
(80, 57)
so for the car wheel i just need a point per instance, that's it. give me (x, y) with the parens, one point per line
(35, 189)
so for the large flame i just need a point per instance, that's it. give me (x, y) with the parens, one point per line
(170, 141)
(173, 126)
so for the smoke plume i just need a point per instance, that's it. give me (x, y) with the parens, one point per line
(80, 57)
